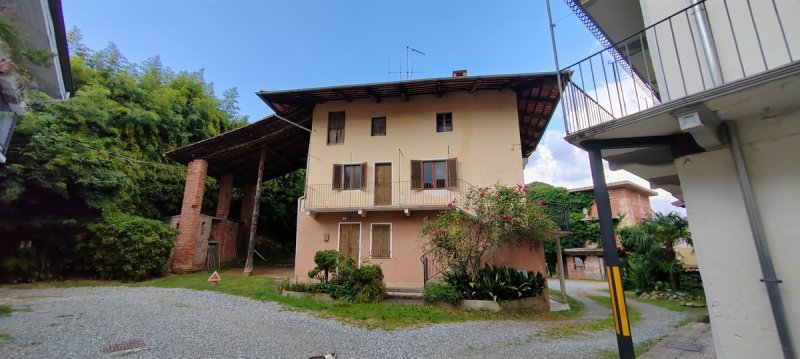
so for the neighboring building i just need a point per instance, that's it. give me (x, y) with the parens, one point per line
(700, 99)
(41, 25)
(379, 158)
(630, 203)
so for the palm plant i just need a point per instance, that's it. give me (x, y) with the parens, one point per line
(651, 244)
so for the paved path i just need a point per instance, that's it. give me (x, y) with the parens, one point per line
(181, 323)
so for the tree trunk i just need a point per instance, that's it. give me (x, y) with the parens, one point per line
(248, 265)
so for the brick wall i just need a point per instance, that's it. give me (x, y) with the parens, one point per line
(185, 246)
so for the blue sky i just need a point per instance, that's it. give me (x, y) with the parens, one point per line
(272, 45)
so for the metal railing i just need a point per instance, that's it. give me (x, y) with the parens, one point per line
(699, 47)
(398, 194)
(559, 214)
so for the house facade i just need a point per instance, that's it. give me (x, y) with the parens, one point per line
(630, 204)
(377, 169)
(700, 98)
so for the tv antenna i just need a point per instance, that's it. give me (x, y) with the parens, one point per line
(409, 72)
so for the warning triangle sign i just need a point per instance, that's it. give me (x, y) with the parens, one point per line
(214, 278)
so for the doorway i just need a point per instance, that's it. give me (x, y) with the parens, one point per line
(383, 184)
(349, 238)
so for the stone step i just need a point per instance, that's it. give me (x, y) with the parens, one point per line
(403, 295)
(403, 290)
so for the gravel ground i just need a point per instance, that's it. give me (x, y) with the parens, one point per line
(181, 323)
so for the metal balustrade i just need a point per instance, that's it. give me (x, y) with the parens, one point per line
(700, 47)
(400, 195)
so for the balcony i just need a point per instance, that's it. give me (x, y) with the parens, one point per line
(388, 196)
(713, 45)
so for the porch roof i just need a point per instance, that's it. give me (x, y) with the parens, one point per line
(237, 152)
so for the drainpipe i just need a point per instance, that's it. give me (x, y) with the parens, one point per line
(709, 46)
(770, 279)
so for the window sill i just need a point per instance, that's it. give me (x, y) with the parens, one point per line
(373, 257)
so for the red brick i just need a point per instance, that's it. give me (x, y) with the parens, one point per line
(183, 254)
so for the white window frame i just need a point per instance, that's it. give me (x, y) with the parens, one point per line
(391, 234)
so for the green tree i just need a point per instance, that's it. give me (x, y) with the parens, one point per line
(650, 248)
(70, 163)
(555, 199)
(489, 218)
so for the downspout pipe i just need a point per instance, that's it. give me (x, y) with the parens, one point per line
(731, 133)
(709, 46)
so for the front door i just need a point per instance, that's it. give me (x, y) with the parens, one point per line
(349, 234)
(383, 184)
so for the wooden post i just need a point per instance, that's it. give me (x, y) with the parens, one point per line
(248, 265)
(560, 263)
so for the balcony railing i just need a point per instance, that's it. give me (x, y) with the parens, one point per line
(700, 47)
(395, 194)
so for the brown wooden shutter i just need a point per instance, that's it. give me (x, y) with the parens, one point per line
(452, 172)
(363, 175)
(337, 176)
(416, 174)
(380, 240)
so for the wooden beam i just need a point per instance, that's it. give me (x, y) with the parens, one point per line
(475, 86)
(439, 91)
(248, 265)
(403, 92)
(374, 96)
(343, 95)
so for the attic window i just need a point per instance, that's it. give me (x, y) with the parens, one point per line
(335, 127)
(379, 126)
(444, 122)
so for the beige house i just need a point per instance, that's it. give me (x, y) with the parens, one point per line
(379, 159)
(377, 168)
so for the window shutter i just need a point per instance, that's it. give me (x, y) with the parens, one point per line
(376, 241)
(337, 176)
(452, 172)
(416, 174)
(363, 175)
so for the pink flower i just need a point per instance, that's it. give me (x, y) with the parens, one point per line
(450, 205)
(483, 194)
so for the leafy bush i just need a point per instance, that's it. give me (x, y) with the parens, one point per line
(130, 247)
(496, 283)
(366, 281)
(441, 291)
(337, 291)
(297, 287)
(21, 265)
(326, 261)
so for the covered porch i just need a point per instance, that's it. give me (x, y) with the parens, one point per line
(243, 158)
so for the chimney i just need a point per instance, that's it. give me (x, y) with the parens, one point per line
(459, 73)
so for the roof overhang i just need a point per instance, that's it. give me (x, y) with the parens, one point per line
(237, 152)
(42, 23)
(537, 96)
(285, 136)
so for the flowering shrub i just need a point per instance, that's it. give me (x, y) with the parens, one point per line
(488, 218)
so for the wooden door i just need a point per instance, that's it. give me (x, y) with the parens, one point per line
(349, 234)
(383, 184)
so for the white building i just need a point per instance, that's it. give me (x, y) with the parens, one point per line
(702, 99)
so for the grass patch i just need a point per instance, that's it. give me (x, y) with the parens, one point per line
(371, 315)
(675, 306)
(5, 337)
(639, 349)
(5, 310)
(578, 328)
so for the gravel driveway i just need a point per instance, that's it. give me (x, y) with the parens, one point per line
(182, 323)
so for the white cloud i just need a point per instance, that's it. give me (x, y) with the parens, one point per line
(559, 163)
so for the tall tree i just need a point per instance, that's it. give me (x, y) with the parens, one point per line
(652, 244)
(101, 151)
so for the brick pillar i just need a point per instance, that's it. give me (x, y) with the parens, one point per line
(189, 227)
(224, 197)
(247, 211)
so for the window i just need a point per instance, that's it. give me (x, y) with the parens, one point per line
(433, 174)
(579, 263)
(335, 127)
(444, 122)
(381, 246)
(379, 126)
(347, 177)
